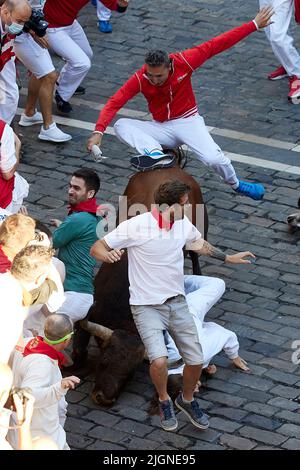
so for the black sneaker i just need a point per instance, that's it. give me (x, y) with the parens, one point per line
(79, 91)
(193, 412)
(167, 415)
(62, 106)
(146, 163)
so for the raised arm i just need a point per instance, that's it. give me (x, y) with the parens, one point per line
(202, 247)
(197, 55)
(116, 102)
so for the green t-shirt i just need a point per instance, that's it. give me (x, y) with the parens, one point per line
(74, 239)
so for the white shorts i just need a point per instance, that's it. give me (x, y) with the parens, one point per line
(36, 59)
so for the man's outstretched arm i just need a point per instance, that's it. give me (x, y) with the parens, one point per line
(204, 248)
(197, 55)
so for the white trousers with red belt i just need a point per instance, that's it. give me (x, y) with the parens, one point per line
(146, 136)
(277, 33)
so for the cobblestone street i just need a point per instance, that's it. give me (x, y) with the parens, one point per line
(260, 410)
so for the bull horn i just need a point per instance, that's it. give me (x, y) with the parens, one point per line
(96, 330)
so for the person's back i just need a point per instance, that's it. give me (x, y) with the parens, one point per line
(42, 374)
(79, 229)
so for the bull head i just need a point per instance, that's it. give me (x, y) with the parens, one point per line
(294, 220)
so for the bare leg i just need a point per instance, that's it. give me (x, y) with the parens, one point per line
(46, 97)
(159, 376)
(191, 375)
(32, 96)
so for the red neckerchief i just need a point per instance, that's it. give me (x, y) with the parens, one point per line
(297, 11)
(5, 263)
(37, 345)
(90, 205)
(162, 223)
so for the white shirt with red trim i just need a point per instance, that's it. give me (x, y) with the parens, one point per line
(155, 256)
(175, 98)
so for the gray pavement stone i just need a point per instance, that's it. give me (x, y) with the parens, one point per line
(236, 442)
(261, 408)
(266, 437)
(292, 444)
(262, 422)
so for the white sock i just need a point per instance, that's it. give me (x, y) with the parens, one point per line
(186, 401)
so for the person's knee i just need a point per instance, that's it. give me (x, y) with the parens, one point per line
(50, 78)
(83, 64)
(220, 286)
(159, 364)
(121, 126)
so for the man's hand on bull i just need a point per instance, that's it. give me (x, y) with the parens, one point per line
(70, 382)
(263, 17)
(113, 256)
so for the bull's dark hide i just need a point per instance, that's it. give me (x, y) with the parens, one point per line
(116, 365)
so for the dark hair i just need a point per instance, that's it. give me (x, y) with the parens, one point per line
(156, 58)
(170, 192)
(90, 178)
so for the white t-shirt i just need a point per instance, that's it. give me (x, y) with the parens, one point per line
(12, 314)
(155, 257)
(7, 150)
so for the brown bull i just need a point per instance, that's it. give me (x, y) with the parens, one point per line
(110, 319)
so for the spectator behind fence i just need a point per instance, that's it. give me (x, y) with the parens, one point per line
(13, 187)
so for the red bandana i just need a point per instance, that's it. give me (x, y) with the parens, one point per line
(38, 346)
(5, 263)
(162, 223)
(90, 205)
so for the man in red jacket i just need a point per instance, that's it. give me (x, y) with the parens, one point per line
(68, 40)
(165, 81)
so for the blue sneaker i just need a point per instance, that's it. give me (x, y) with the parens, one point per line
(94, 3)
(254, 190)
(105, 26)
(168, 419)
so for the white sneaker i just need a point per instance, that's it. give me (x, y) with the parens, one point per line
(53, 134)
(26, 121)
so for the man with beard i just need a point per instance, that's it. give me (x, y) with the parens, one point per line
(74, 238)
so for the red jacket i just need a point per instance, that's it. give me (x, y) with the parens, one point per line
(60, 13)
(175, 98)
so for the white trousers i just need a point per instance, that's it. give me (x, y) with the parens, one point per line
(202, 293)
(76, 305)
(277, 33)
(149, 135)
(36, 59)
(103, 13)
(21, 189)
(9, 92)
(71, 43)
